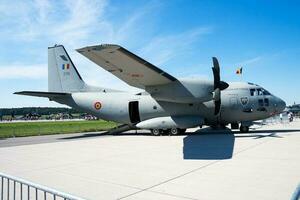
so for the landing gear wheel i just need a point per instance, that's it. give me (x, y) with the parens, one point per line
(174, 131)
(155, 132)
(244, 129)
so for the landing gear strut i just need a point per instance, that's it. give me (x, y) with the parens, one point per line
(244, 129)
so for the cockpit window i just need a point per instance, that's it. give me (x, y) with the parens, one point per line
(265, 92)
(259, 92)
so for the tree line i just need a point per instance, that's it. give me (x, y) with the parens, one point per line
(36, 110)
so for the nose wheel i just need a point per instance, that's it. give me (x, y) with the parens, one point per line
(244, 129)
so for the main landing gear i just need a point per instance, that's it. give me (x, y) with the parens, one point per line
(244, 129)
(172, 131)
(156, 132)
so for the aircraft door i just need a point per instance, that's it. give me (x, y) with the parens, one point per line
(133, 110)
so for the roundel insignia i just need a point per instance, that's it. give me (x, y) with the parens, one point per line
(97, 105)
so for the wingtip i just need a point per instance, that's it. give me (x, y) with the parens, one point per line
(98, 47)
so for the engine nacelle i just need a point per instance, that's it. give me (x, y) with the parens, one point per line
(182, 122)
(183, 91)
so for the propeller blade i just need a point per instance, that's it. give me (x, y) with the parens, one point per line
(217, 107)
(218, 85)
(216, 72)
(217, 94)
(217, 100)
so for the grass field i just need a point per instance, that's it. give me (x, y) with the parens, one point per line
(21, 129)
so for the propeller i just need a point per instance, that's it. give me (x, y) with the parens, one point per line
(218, 85)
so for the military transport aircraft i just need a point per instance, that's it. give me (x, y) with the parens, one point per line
(168, 104)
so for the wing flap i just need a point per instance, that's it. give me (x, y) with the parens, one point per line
(127, 66)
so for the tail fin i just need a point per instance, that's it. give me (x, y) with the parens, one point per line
(62, 73)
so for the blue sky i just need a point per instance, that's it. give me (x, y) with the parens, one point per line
(178, 36)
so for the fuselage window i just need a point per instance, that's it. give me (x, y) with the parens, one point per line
(252, 91)
(260, 102)
(266, 102)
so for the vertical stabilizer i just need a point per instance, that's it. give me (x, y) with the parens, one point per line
(62, 73)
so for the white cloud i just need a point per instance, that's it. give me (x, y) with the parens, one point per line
(249, 61)
(68, 22)
(163, 48)
(85, 22)
(85, 17)
(43, 7)
(18, 71)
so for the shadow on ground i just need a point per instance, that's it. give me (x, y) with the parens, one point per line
(204, 144)
(252, 133)
(90, 135)
(209, 144)
(85, 135)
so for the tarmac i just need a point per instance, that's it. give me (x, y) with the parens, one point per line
(203, 164)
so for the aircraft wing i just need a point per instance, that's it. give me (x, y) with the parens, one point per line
(127, 66)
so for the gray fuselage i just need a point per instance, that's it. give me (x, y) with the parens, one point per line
(241, 102)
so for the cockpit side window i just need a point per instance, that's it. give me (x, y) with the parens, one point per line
(259, 92)
(266, 102)
(252, 92)
(265, 92)
(260, 102)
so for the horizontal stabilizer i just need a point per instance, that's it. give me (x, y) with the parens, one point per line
(42, 94)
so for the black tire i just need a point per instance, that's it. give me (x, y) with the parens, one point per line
(174, 131)
(155, 132)
(244, 129)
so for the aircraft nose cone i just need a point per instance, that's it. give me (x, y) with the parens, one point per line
(281, 104)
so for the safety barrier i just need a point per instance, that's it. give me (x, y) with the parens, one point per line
(296, 194)
(17, 188)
